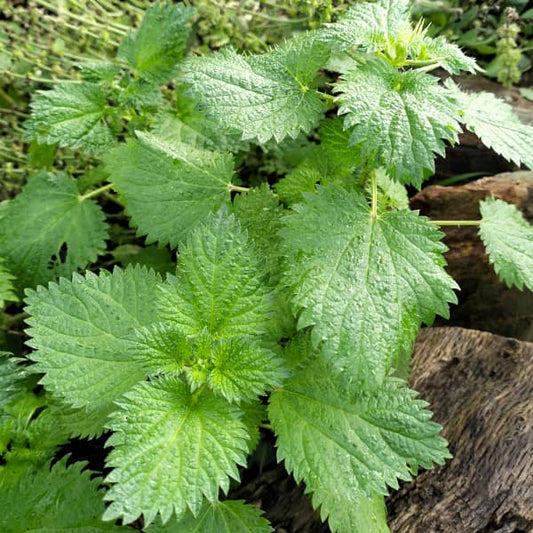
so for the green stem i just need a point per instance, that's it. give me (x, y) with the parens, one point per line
(78, 18)
(79, 29)
(428, 68)
(265, 426)
(327, 97)
(456, 222)
(7, 98)
(197, 392)
(374, 183)
(14, 112)
(96, 192)
(423, 62)
(236, 188)
(37, 79)
(354, 56)
(278, 20)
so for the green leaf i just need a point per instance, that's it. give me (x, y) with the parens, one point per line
(266, 96)
(303, 179)
(453, 59)
(235, 368)
(219, 284)
(71, 114)
(365, 284)
(335, 140)
(141, 95)
(393, 194)
(171, 449)
(10, 379)
(349, 443)
(370, 26)
(82, 331)
(7, 289)
(59, 422)
(157, 258)
(495, 123)
(260, 214)
(365, 514)
(169, 187)
(229, 516)
(96, 71)
(52, 501)
(190, 125)
(155, 50)
(384, 27)
(49, 230)
(508, 238)
(332, 161)
(398, 118)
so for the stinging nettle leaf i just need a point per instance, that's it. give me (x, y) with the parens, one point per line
(229, 516)
(7, 289)
(43, 500)
(363, 514)
(349, 443)
(369, 25)
(235, 368)
(169, 188)
(266, 96)
(508, 238)
(219, 284)
(384, 26)
(49, 230)
(399, 119)
(171, 449)
(364, 284)
(494, 122)
(452, 58)
(156, 48)
(82, 330)
(190, 125)
(71, 114)
(11, 377)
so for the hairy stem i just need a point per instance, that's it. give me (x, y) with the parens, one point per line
(236, 188)
(456, 222)
(96, 192)
(374, 183)
(327, 97)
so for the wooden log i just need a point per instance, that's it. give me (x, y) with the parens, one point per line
(479, 386)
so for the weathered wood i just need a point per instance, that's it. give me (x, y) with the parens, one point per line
(485, 302)
(479, 386)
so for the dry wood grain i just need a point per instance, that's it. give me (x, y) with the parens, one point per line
(479, 386)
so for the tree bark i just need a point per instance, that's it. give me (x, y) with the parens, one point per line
(479, 387)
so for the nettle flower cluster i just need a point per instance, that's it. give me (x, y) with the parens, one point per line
(309, 294)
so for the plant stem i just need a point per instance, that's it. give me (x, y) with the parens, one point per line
(106, 26)
(236, 188)
(326, 97)
(374, 183)
(96, 192)
(456, 222)
(29, 77)
(197, 392)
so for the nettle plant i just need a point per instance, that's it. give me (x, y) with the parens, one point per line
(293, 309)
